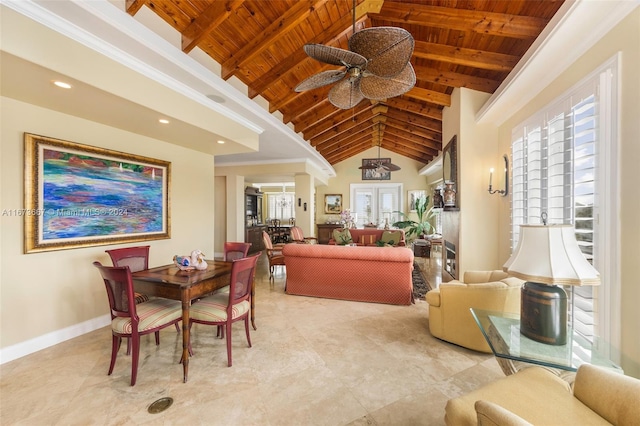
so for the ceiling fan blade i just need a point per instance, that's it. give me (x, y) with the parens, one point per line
(387, 49)
(320, 79)
(391, 167)
(334, 55)
(368, 167)
(346, 93)
(374, 87)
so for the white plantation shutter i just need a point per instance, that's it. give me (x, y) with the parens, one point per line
(555, 161)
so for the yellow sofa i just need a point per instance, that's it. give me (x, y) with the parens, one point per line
(449, 316)
(537, 396)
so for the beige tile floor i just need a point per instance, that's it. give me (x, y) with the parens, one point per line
(313, 362)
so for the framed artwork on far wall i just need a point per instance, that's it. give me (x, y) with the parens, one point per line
(412, 196)
(332, 203)
(373, 174)
(80, 196)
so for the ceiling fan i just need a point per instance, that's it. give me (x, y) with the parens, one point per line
(379, 165)
(376, 66)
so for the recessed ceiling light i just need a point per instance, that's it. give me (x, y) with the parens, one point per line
(62, 84)
(164, 121)
(220, 142)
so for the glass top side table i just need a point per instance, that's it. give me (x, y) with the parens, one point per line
(502, 332)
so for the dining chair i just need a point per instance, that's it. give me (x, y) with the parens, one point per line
(277, 233)
(274, 253)
(235, 250)
(297, 236)
(223, 309)
(132, 320)
(137, 259)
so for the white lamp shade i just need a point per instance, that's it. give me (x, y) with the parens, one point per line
(549, 254)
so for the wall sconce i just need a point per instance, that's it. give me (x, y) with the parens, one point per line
(504, 191)
(299, 202)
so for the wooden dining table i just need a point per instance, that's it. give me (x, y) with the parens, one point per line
(171, 283)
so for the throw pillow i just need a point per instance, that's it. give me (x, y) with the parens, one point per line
(368, 240)
(390, 237)
(342, 236)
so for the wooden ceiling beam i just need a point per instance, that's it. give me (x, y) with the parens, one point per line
(437, 98)
(415, 120)
(415, 107)
(413, 141)
(434, 138)
(454, 79)
(395, 145)
(294, 16)
(354, 115)
(483, 22)
(344, 129)
(304, 119)
(344, 154)
(344, 134)
(363, 137)
(467, 57)
(394, 142)
(214, 15)
(313, 101)
(133, 6)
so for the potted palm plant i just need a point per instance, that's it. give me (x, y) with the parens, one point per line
(422, 226)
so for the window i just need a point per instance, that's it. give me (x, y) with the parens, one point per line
(375, 203)
(560, 162)
(280, 205)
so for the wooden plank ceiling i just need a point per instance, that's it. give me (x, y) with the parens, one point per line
(458, 43)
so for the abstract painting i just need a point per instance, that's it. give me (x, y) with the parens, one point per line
(78, 196)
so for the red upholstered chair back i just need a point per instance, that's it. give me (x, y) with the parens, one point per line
(119, 286)
(235, 250)
(136, 258)
(242, 273)
(267, 241)
(296, 233)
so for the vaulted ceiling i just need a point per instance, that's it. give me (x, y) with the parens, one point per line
(458, 43)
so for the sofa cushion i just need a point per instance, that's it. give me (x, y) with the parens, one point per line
(390, 237)
(368, 240)
(342, 236)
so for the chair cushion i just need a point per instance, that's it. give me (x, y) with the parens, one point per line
(368, 240)
(342, 236)
(224, 289)
(214, 308)
(391, 237)
(154, 313)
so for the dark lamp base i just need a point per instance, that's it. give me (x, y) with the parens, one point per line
(543, 313)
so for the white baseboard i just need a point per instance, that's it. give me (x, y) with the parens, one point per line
(19, 350)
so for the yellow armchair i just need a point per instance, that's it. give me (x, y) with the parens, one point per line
(449, 316)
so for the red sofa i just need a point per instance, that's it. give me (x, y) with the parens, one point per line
(357, 235)
(364, 274)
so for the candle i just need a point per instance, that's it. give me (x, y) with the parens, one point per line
(490, 176)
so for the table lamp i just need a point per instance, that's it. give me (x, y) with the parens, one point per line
(547, 257)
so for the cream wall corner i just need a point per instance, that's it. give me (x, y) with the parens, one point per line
(52, 296)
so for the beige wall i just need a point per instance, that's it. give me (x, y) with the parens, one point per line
(59, 294)
(624, 38)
